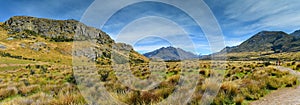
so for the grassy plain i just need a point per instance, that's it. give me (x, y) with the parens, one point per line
(55, 84)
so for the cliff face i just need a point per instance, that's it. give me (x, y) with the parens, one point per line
(296, 33)
(56, 29)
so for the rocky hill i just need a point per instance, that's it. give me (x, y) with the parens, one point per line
(265, 45)
(57, 30)
(38, 36)
(268, 41)
(296, 33)
(170, 53)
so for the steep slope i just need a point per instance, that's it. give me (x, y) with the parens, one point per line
(170, 53)
(267, 41)
(51, 40)
(296, 33)
(265, 45)
(57, 30)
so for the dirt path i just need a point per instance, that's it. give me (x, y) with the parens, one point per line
(284, 96)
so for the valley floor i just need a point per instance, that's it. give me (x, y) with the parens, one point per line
(24, 82)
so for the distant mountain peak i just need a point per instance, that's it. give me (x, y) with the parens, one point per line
(296, 33)
(268, 41)
(171, 53)
(270, 32)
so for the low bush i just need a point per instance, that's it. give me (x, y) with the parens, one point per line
(7, 92)
(25, 90)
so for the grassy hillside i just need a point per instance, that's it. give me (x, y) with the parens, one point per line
(268, 41)
(33, 45)
(29, 48)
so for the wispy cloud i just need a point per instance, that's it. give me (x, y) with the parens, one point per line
(246, 17)
(153, 19)
(233, 42)
(239, 19)
(150, 43)
(139, 31)
(149, 26)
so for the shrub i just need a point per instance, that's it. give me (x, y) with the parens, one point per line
(290, 81)
(297, 67)
(267, 63)
(51, 88)
(103, 74)
(70, 78)
(148, 97)
(9, 91)
(203, 72)
(173, 79)
(164, 92)
(227, 92)
(25, 90)
(197, 96)
(293, 63)
(69, 99)
(273, 83)
(30, 32)
(238, 100)
(133, 98)
(229, 88)
(253, 91)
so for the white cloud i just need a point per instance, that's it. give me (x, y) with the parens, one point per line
(149, 26)
(249, 16)
(249, 10)
(145, 49)
(97, 15)
(155, 27)
(231, 43)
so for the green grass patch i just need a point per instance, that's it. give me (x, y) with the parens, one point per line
(7, 60)
(11, 68)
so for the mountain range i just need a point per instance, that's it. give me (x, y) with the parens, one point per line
(170, 53)
(269, 41)
(262, 43)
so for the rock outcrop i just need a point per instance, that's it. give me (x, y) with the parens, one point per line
(58, 30)
(296, 33)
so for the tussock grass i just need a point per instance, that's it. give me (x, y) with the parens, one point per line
(55, 84)
(7, 92)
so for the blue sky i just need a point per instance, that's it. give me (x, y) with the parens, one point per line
(148, 26)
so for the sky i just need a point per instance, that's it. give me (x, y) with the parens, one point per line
(150, 25)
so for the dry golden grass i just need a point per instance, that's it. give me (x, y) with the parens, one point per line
(238, 100)
(244, 81)
(7, 92)
(25, 90)
(289, 56)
